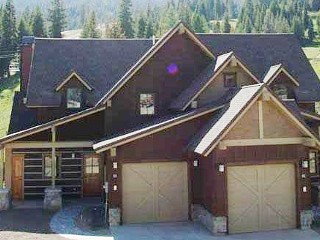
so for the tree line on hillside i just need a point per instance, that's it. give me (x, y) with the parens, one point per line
(277, 16)
(255, 16)
(30, 23)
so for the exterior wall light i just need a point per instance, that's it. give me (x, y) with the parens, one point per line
(305, 164)
(115, 188)
(304, 189)
(115, 165)
(196, 163)
(221, 168)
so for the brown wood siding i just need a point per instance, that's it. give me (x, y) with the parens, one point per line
(214, 194)
(88, 128)
(168, 145)
(154, 78)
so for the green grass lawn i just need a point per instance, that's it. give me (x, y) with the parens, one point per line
(7, 88)
(312, 52)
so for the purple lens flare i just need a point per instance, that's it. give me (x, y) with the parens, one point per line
(173, 69)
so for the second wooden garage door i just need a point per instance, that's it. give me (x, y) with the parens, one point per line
(155, 192)
(261, 198)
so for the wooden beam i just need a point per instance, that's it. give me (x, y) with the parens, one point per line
(8, 166)
(49, 145)
(261, 130)
(1, 167)
(268, 141)
(53, 157)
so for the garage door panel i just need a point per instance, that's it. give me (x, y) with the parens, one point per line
(272, 196)
(155, 192)
(246, 219)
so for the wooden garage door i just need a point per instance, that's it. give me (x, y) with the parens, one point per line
(261, 198)
(155, 192)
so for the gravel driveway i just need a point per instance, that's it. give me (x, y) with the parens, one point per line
(26, 224)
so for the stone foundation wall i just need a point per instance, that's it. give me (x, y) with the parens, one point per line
(216, 225)
(52, 199)
(5, 199)
(114, 216)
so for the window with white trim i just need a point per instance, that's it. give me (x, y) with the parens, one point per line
(74, 98)
(47, 166)
(147, 104)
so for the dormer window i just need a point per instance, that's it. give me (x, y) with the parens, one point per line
(74, 98)
(230, 80)
(147, 104)
(281, 91)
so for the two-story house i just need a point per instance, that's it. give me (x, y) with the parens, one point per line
(209, 126)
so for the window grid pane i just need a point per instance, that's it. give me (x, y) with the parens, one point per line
(74, 96)
(147, 104)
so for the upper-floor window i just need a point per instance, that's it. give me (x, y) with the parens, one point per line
(147, 104)
(230, 80)
(74, 98)
(281, 91)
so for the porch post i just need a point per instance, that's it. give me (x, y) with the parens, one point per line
(53, 155)
(1, 166)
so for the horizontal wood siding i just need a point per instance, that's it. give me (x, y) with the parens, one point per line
(214, 194)
(70, 172)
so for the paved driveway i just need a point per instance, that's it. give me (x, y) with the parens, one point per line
(191, 231)
(26, 224)
(33, 224)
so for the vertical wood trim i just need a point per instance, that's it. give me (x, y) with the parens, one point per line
(53, 156)
(8, 166)
(261, 132)
(1, 167)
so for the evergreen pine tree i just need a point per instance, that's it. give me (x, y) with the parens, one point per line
(197, 25)
(226, 25)
(37, 23)
(141, 27)
(125, 18)
(22, 29)
(9, 40)
(57, 18)
(217, 27)
(114, 30)
(90, 27)
(310, 30)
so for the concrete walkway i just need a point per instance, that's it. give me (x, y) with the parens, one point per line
(194, 231)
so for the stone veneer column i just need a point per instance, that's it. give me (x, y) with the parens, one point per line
(5, 199)
(114, 216)
(52, 199)
(306, 218)
(216, 225)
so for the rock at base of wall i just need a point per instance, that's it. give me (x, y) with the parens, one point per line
(114, 216)
(5, 199)
(52, 199)
(306, 218)
(216, 225)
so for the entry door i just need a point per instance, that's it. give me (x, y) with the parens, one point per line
(92, 184)
(17, 177)
(261, 197)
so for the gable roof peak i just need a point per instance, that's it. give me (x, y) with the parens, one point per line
(274, 71)
(72, 74)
